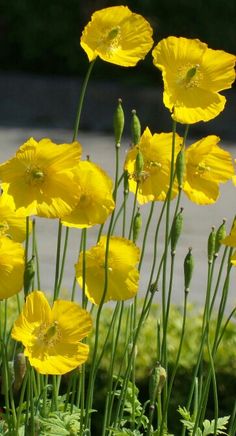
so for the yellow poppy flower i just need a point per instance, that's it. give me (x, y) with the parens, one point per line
(155, 177)
(207, 165)
(41, 179)
(12, 223)
(96, 201)
(117, 35)
(51, 337)
(11, 267)
(123, 275)
(230, 240)
(193, 76)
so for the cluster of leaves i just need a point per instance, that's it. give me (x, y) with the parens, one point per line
(208, 426)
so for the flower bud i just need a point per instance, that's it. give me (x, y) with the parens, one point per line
(119, 122)
(211, 244)
(139, 164)
(176, 229)
(19, 370)
(220, 235)
(137, 225)
(29, 275)
(135, 128)
(180, 167)
(188, 269)
(157, 381)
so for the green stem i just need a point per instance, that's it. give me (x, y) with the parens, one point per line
(81, 100)
(97, 325)
(166, 405)
(63, 260)
(58, 256)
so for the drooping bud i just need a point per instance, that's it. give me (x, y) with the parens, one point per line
(137, 225)
(135, 128)
(19, 370)
(119, 122)
(157, 381)
(176, 229)
(180, 167)
(139, 164)
(211, 244)
(220, 235)
(188, 269)
(126, 182)
(29, 275)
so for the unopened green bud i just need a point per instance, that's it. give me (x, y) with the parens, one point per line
(137, 225)
(157, 381)
(176, 230)
(29, 275)
(19, 370)
(126, 182)
(180, 167)
(220, 235)
(188, 269)
(119, 122)
(211, 244)
(135, 128)
(139, 164)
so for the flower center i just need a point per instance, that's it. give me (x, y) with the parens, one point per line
(35, 176)
(47, 334)
(189, 76)
(111, 41)
(146, 172)
(4, 227)
(202, 169)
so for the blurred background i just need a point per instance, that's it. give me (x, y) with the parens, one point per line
(42, 63)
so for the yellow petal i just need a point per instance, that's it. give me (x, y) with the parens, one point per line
(11, 267)
(75, 323)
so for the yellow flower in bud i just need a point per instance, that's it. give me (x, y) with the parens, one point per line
(118, 36)
(12, 222)
(96, 201)
(41, 179)
(154, 180)
(11, 267)
(123, 275)
(193, 76)
(207, 165)
(52, 337)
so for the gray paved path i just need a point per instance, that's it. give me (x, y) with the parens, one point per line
(197, 220)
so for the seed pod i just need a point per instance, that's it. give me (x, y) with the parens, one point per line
(211, 244)
(176, 229)
(137, 225)
(188, 269)
(118, 122)
(220, 235)
(126, 182)
(135, 128)
(19, 370)
(29, 275)
(139, 163)
(180, 167)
